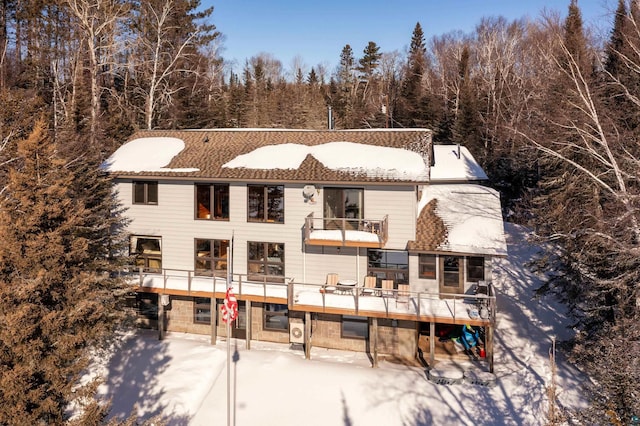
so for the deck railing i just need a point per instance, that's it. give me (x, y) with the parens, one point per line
(352, 300)
(346, 229)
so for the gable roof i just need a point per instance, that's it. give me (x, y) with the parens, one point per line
(400, 155)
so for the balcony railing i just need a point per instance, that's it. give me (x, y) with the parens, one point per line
(346, 232)
(474, 309)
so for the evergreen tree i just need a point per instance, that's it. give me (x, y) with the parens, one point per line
(409, 111)
(56, 298)
(370, 61)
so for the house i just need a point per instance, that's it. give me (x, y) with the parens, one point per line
(365, 240)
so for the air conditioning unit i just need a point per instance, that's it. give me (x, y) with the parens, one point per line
(296, 331)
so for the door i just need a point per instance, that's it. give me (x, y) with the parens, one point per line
(451, 278)
(343, 203)
(239, 326)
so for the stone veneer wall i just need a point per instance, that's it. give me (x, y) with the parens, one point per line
(179, 317)
(396, 338)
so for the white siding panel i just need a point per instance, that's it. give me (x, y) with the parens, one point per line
(399, 203)
(173, 220)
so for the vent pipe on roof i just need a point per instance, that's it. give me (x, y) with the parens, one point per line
(458, 153)
(330, 119)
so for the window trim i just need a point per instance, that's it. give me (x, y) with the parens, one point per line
(398, 275)
(284, 313)
(213, 260)
(432, 268)
(199, 303)
(145, 200)
(145, 257)
(214, 191)
(265, 262)
(471, 268)
(266, 213)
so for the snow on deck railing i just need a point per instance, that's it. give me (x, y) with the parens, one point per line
(321, 297)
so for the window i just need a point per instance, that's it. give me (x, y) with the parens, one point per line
(354, 327)
(475, 268)
(145, 192)
(211, 257)
(427, 265)
(202, 310)
(212, 201)
(275, 317)
(147, 252)
(344, 203)
(265, 261)
(265, 203)
(451, 271)
(389, 265)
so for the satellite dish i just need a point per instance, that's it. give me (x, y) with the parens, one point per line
(308, 192)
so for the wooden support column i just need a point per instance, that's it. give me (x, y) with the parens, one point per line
(307, 335)
(432, 343)
(374, 341)
(489, 346)
(248, 330)
(214, 319)
(160, 318)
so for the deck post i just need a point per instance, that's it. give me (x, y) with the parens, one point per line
(160, 318)
(248, 330)
(489, 346)
(374, 338)
(432, 343)
(214, 317)
(307, 335)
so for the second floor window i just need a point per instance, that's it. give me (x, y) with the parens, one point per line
(265, 203)
(145, 192)
(212, 201)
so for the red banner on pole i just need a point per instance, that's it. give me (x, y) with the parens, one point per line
(229, 307)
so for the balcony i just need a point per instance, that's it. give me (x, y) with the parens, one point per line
(343, 232)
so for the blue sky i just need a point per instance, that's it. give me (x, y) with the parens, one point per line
(318, 30)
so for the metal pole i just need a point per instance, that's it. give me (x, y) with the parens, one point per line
(228, 348)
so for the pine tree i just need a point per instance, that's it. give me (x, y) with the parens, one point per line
(370, 61)
(56, 298)
(409, 111)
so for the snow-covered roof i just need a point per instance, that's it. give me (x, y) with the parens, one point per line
(382, 155)
(371, 160)
(151, 154)
(471, 215)
(454, 163)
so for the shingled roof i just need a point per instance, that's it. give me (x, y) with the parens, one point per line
(207, 151)
(431, 231)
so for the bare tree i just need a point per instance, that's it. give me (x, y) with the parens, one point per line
(97, 21)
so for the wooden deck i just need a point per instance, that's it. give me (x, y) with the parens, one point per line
(420, 307)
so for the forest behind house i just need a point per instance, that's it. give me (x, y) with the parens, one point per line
(549, 109)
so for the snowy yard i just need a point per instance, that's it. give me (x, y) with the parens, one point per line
(184, 378)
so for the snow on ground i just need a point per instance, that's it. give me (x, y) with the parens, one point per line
(184, 378)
